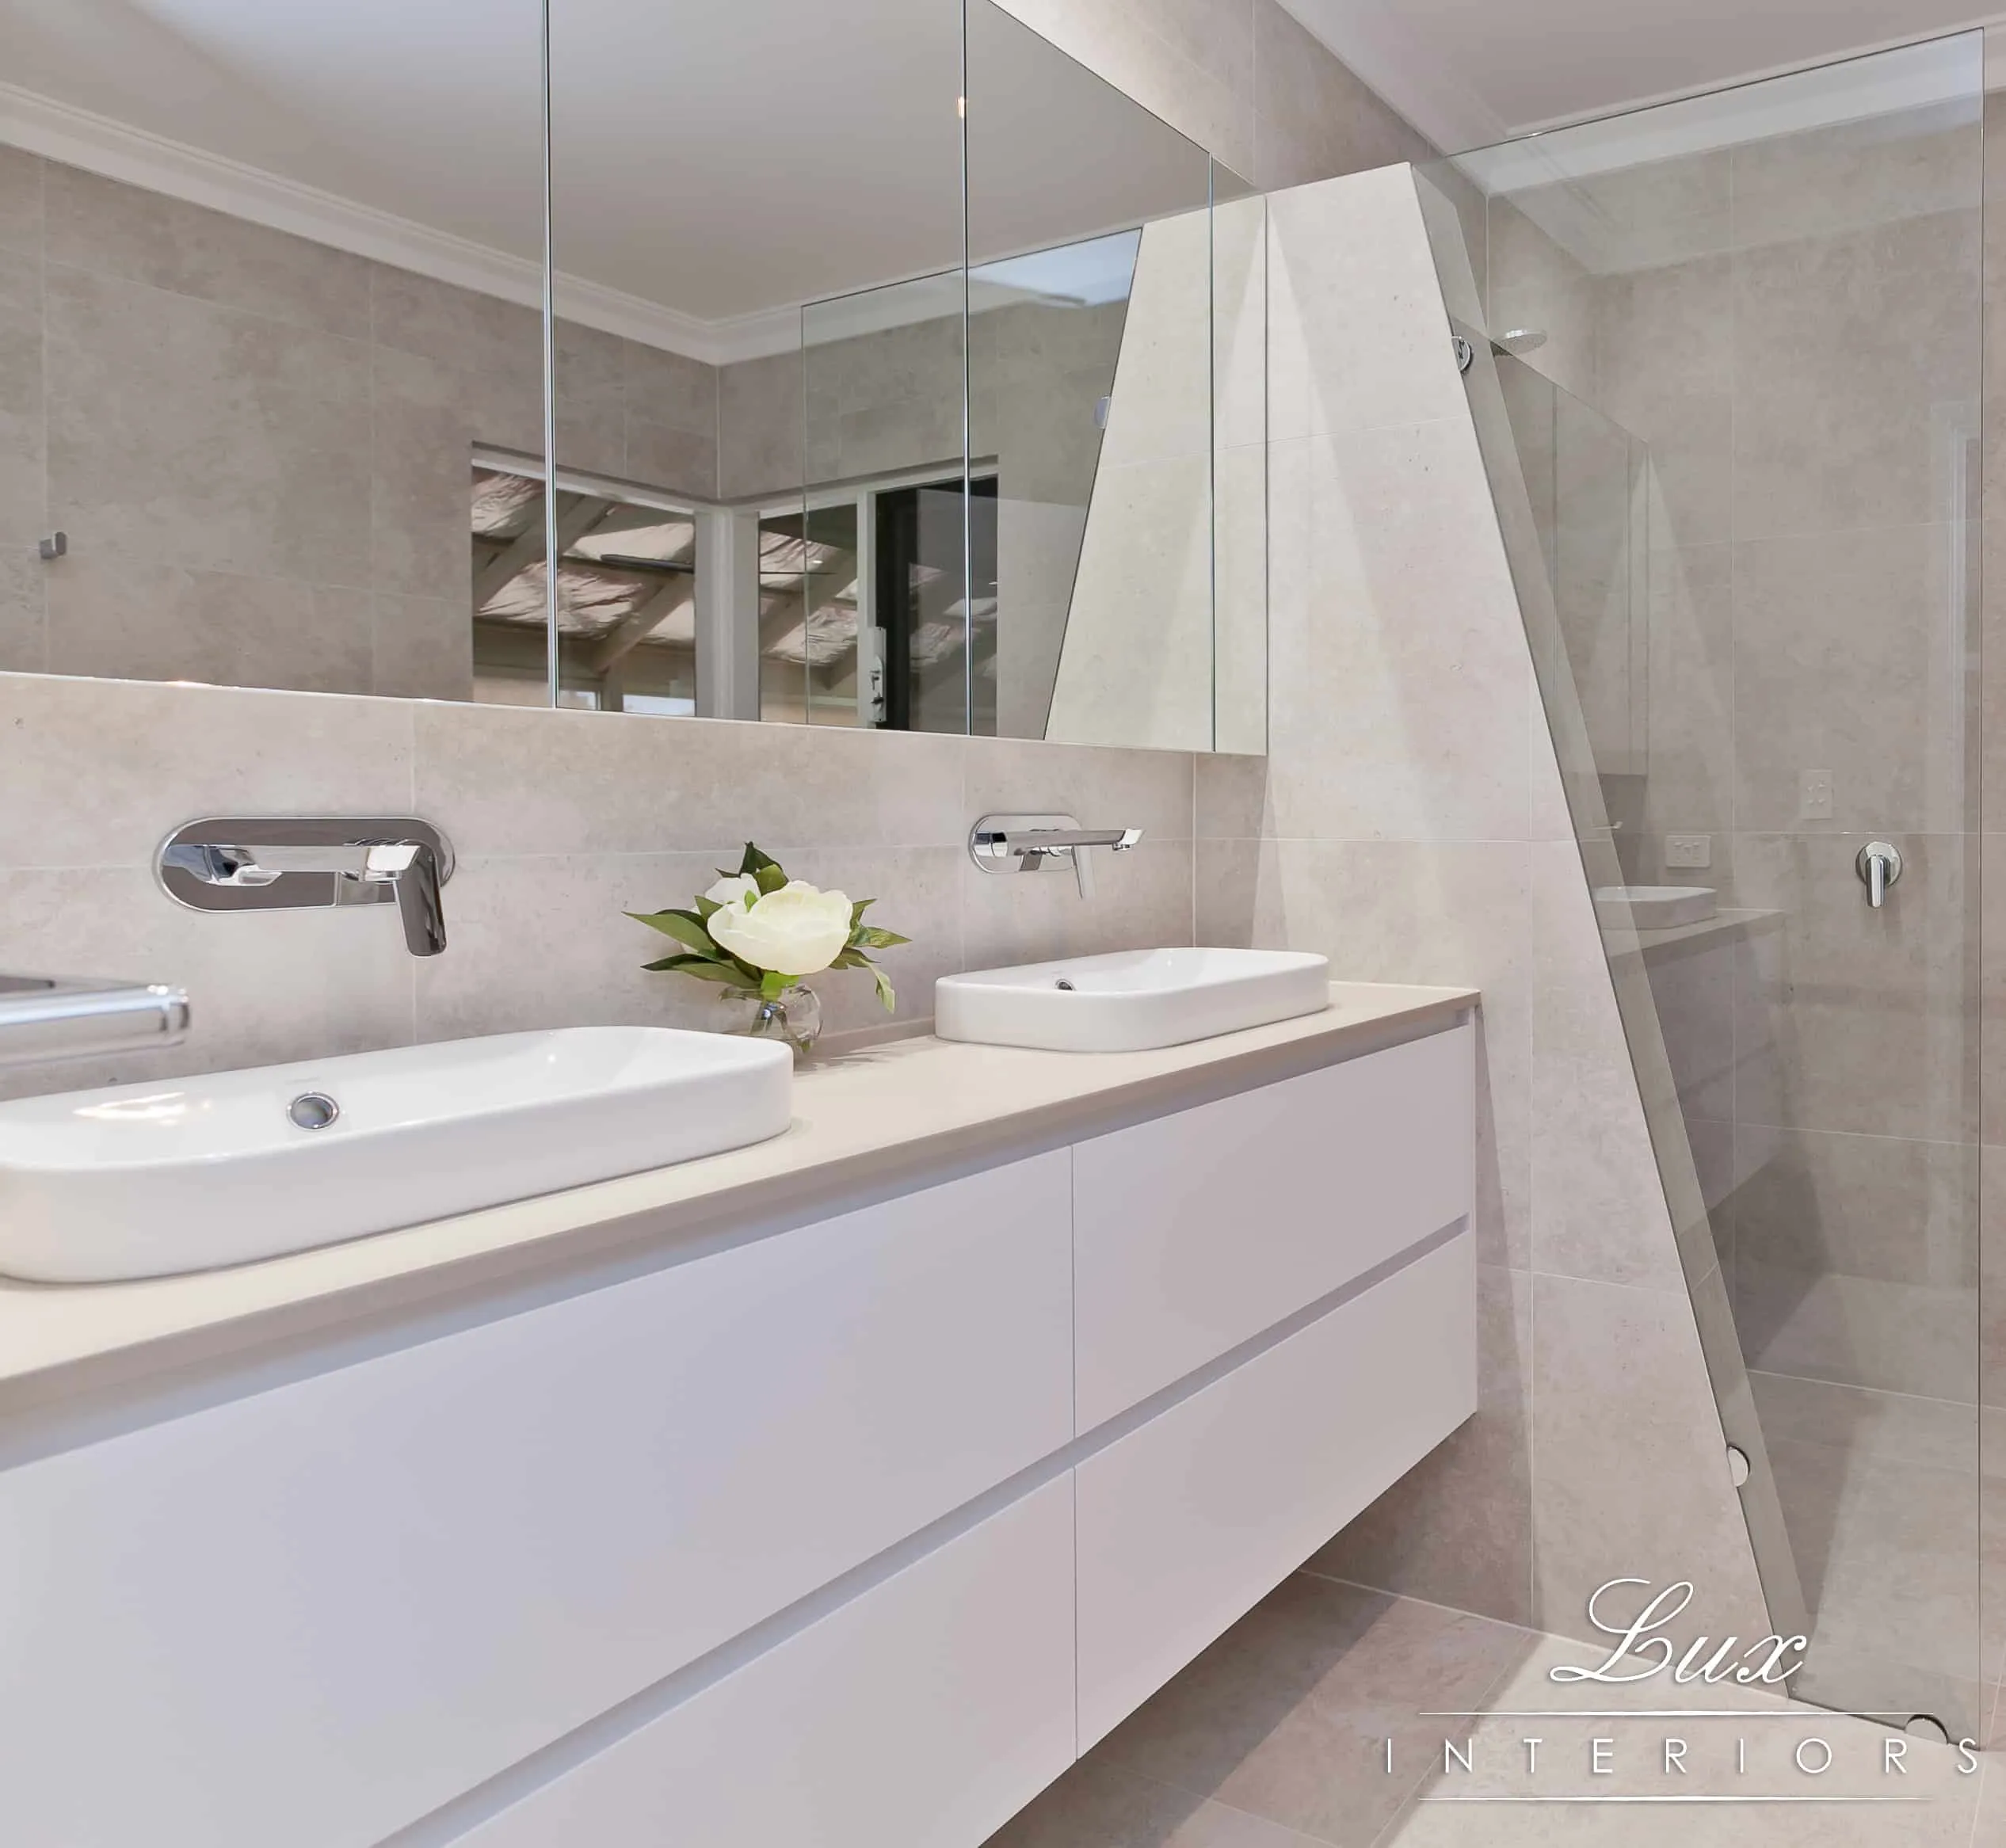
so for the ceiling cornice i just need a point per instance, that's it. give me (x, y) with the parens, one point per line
(79, 137)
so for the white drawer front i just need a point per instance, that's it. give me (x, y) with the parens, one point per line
(310, 1616)
(1188, 1522)
(922, 1715)
(1197, 1232)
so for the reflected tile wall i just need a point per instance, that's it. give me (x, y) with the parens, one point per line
(260, 447)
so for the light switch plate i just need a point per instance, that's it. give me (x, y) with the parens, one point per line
(1814, 796)
(1688, 853)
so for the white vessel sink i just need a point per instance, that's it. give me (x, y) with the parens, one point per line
(144, 1181)
(1131, 1001)
(1655, 908)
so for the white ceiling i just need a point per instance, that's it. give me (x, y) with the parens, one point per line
(1471, 71)
(718, 162)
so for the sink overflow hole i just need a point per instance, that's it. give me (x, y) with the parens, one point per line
(1063, 983)
(313, 1110)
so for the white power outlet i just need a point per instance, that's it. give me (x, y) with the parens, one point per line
(1689, 852)
(1814, 796)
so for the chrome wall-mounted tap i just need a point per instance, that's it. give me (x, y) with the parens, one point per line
(1028, 843)
(272, 864)
(45, 1018)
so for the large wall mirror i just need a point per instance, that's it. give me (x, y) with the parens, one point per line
(899, 373)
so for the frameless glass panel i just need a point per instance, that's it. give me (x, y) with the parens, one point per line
(1727, 377)
(254, 458)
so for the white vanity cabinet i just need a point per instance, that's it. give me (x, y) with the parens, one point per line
(853, 1533)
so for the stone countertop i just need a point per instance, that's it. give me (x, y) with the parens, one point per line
(866, 1124)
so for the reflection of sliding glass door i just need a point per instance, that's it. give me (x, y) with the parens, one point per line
(938, 642)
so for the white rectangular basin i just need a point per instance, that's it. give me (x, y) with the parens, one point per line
(1654, 908)
(146, 1180)
(1131, 1001)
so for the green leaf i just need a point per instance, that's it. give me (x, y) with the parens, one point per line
(885, 993)
(852, 958)
(871, 938)
(685, 926)
(754, 859)
(725, 972)
(856, 914)
(708, 908)
(770, 878)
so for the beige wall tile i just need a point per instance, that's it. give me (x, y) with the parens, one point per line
(1104, 787)
(1873, 1207)
(24, 418)
(1599, 1202)
(1869, 1012)
(99, 772)
(1143, 901)
(1314, 117)
(1399, 911)
(501, 781)
(420, 648)
(1400, 684)
(116, 617)
(1841, 663)
(423, 422)
(1914, 1337)
(21, 179)
(24, 626)
(117, 230)
(1623, 1410)
(760, 426)
(1841, 365)
(1333, 301)
(180, 433)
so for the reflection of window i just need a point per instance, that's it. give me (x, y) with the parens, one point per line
(626, 594)
(809, 615)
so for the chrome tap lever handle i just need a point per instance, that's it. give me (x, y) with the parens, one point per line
(1879, 864)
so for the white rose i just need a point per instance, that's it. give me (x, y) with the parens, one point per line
(737, 891)
(796, 931)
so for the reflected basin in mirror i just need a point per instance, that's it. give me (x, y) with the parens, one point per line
(147, 1180)
(1654, 908)
(1131, 1000)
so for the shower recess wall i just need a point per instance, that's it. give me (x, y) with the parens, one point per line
(1742, 467)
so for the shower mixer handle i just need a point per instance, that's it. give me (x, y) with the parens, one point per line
(1879, 864)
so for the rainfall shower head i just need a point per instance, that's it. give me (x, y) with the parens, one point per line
(1520, 340)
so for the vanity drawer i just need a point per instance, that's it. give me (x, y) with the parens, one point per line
(923, 1714)
(1187, 1521)
(1197, 1232)
(309, 1615)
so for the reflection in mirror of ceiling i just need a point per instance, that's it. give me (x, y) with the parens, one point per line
(709, 179)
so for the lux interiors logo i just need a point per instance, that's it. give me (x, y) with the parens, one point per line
(1660, 1746)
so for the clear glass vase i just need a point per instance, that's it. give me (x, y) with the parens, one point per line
(794, 1016)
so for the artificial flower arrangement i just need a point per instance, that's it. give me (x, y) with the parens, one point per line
(760, 933)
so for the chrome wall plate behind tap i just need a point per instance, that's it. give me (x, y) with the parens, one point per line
(1879, 864)
(277, 862)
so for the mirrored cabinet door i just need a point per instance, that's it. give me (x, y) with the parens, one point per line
(866, 403)
(271, 286)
